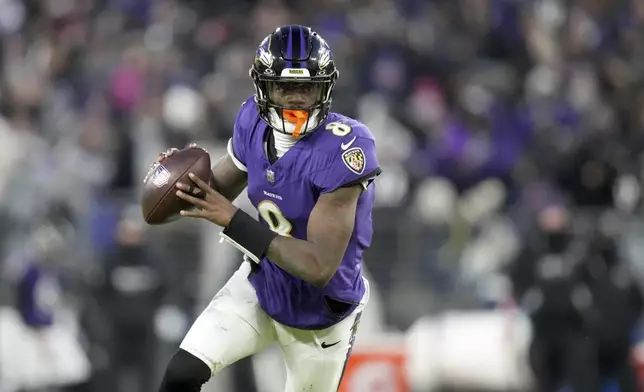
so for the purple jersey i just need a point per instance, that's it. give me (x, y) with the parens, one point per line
(340, 153)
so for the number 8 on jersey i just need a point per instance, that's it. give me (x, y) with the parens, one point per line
(273, 216)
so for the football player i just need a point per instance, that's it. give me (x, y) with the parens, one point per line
(309, 173)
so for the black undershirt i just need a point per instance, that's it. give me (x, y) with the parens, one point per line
(271, 151)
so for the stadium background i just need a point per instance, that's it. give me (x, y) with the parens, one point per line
(496, 121)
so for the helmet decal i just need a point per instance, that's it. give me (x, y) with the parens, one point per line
(263, 55)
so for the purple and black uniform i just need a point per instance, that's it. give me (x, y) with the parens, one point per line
(294, 74)
(340, 153)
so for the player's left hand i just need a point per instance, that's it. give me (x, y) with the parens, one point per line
(213, 206)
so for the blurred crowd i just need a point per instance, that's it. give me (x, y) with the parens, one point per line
(510, 133)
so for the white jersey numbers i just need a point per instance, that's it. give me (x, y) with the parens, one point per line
(338, 128)
(272, 215)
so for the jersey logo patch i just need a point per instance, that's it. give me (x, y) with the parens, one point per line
(270, 176)
(354, 159)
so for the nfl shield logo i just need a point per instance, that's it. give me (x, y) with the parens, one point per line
(270, 176)
(161, 176)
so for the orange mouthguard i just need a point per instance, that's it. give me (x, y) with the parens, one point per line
(297, 117)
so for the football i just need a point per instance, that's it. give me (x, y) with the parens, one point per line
(159, 201)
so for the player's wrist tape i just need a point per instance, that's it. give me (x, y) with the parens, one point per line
(248, 235)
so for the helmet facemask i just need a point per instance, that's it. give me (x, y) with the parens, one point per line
(293, 106)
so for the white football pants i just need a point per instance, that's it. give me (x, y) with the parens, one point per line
(234, 326)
